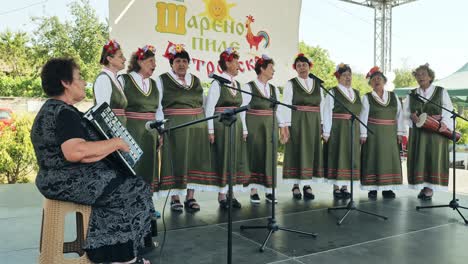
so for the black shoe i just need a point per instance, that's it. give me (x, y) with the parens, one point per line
(337, 194)
(236, 204)
(298, 195)
(388, 194)
(269, 198)
(308, 195)
(372, 194)
(223, 204)
(255, 198)
(345, 193)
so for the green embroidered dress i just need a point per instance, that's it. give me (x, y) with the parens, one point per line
(303, 155)
(140, 109)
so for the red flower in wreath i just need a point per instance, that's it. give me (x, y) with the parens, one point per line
(372, 71)
(111, 47)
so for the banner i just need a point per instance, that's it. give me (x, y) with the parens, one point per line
(208, 27)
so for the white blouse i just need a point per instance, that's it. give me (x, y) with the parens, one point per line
(308, 84)
(213, 97)
(364, 116)
(327, 115)
(446, 102)
(103, 86)
(264, 89)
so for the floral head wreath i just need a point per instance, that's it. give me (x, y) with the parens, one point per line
(372, 71)
(311, 64)
(228, 54)
(111, 47)
(338, 67)
(261, 60)
(140, 53)
(173, 49)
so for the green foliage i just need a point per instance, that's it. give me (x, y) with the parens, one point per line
(23, 55)
(21, 86)
(360, 83)
(17, 158)
(404, 78)
(324, 67)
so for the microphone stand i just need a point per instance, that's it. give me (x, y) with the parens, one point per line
(351, 206)
(271, 225)
(454, 202)
(228, 118)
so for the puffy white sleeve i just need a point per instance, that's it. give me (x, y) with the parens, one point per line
(245, 101)
(328, 114)
(446, 116)
(280, 110)
(364, 115)
(401, 126)
(287, 99)
(102, 89)
(211, 101)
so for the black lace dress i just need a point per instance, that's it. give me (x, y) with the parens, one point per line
(121, 204)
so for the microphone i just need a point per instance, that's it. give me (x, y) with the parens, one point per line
(219, 78)
(315, 77)
(417, 97)
(155, 124)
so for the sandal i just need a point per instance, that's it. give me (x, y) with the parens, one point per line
(298, 195)
(176, 206)
(191, 204)
(308, 195)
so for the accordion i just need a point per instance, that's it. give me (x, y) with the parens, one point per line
(107, 124)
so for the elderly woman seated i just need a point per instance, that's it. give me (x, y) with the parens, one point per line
(74, 166)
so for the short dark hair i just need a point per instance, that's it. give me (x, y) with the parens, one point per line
(133, 65)
(344, 68)
(183, 55)
(222, 61)
(301, 59)
(54, 72)
(262, 63)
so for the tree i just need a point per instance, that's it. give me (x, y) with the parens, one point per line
(404, 78)
(17, 159)
(80, 38)
(16, 53)
(324, 67)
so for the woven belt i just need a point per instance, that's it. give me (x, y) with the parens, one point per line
(306, 108)
(118, 111)
(183, 111)
(341, 116)
(384, 122)
(259, 112)
(142, 116)
(224, 108)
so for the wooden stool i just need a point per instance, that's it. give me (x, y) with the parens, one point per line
(52, 246)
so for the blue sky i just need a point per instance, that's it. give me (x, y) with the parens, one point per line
(432, 31)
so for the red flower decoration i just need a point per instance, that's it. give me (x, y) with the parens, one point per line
(140, 53)
(372, 71)
(111, 47)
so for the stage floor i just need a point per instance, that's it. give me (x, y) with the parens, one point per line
(408, 236)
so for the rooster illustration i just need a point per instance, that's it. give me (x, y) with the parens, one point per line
(254, 40)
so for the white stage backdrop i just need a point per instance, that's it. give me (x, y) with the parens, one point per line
(208, 27)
